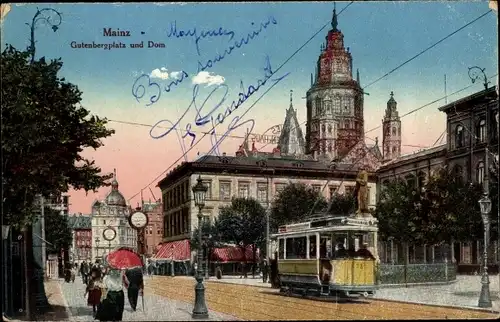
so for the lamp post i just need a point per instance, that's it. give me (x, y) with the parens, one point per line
(484, 297)
(263, 165)
(200, 310)
(40, 16)
(97, 240)
(478, 73)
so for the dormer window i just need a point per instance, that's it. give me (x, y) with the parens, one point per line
(459, 136)
(481, 131)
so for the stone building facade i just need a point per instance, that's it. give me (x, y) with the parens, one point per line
(113, 212)
(468, 139)
(81, 228)
(154, 231)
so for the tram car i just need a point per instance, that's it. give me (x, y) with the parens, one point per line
(328, 256)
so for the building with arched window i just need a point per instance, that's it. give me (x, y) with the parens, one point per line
(471, 127)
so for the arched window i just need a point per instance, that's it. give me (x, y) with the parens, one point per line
(319, 108)
(336, 104)
(322, 129)
(394, 131)
(480, 172)
(410, 179)
(481, 131)
(459, 136)
(328, 105)
(329, 129)
(346, 124)
(421, 179)
(458, 171)
(394, 150)
(330, 147)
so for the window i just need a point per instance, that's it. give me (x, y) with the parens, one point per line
(330, 147)
(158, 218)
(206, 219)
(333, 190)
(104, 222)
(312, 246)
(225, 190)
(281, 248)
(316, 188)
(243, 189)
(458, 171)
(481, 131)
(208, 184)
(322, 129)
(480, 172)
(410, 179)
(278, 187)
(394, 131)
(296, 247)
(349, 190)
(262, 192)
(319, 108)
(329, 129)
(459, 136)
(336, 104)
(394, 150)
(421, 179)
(328, 106)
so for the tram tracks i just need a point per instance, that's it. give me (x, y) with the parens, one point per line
(251, 303)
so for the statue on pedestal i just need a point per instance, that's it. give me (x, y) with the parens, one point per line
(362, 193)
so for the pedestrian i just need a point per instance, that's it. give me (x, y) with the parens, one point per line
(84, 271)
(135, 286)
(94, 290)
(243, 270)
(73, 273)
(265, 268)
(113, 303)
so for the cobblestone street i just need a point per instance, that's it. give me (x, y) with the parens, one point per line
(156, 308)
(257, 303)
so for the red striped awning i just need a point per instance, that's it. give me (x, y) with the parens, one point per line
(233, 254)
(177, 250)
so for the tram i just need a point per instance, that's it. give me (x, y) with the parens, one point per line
(328, 256)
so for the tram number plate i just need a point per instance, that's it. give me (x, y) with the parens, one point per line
(360, 265)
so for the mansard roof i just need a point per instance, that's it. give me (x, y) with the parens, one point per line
(283, 167)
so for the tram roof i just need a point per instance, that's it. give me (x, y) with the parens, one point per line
(329, 223)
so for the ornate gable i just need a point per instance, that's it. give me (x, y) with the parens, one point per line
(362, 155)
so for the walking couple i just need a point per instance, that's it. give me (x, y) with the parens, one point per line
(107, 297)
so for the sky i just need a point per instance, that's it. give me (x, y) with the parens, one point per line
(183, 68)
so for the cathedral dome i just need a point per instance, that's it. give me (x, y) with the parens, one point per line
(115, 198)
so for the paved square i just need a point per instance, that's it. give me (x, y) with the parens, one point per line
(156, 308)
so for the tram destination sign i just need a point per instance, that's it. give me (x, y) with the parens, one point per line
(294, 227)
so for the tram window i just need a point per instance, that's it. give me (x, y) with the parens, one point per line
(312, 246)
(296, 248)
(281, 250)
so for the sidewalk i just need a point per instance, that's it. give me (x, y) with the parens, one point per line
(463, 293)
(156, 308)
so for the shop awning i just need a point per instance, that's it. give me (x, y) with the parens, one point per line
(178, 250)
(234, 254)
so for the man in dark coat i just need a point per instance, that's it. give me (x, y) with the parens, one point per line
(84, 271)
(136, 284)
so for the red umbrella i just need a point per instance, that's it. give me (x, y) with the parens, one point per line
(124, 258)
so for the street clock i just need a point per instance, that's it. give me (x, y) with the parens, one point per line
(138, 220)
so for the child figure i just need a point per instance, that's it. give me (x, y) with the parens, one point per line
(94, 289)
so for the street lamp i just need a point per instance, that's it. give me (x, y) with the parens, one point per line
(97, 240)
(484, 298)
(200, 310)
(48, 20)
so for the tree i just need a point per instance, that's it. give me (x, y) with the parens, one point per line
(295, 203)
(211, 238)
(342, 204)
(44, 130)
(454, 207)
(60, 235)
(243, 223)
(401, 213)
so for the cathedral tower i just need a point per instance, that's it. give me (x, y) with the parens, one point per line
(334, 101)
(391, 128)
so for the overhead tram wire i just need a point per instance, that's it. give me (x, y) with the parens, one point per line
(428, 48)
(277, 69)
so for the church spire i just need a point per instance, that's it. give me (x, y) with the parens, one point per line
(334, 18)
(357, 76)
(291, 99)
